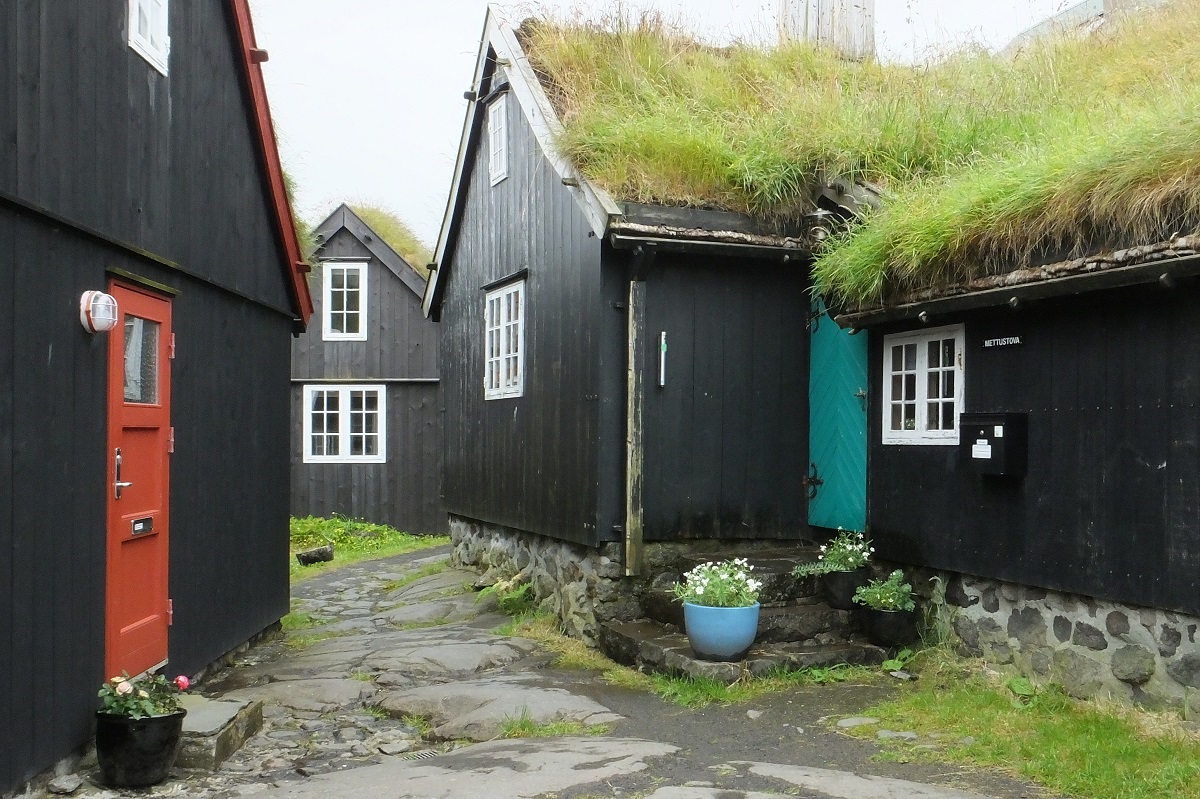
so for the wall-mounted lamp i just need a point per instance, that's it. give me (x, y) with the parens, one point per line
(97, 311)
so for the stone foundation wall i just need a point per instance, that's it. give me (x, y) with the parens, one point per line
(582, 586)
(1090, 647)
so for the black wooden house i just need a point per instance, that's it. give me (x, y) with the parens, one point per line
(612, 372)
(366, 440)
(1072, 456)
(144, 470)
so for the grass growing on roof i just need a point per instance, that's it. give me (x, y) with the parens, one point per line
(982, 158)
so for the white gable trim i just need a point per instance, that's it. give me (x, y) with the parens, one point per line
(595, 203)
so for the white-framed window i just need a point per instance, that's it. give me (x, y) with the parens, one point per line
(923, 386)
(344, 301)
(504, 341)
(345, 424)
(497, 119)
(148, 32)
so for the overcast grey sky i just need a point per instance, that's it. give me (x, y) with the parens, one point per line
(367, 94)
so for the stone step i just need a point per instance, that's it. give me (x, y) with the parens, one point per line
(799, 620)
(652, 647)
(773, 568)
(214, 729)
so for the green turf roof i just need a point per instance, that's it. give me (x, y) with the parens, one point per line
(987, 163)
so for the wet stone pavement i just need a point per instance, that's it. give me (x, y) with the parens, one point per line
(401, 687)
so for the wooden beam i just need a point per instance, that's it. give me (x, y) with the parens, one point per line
(639, 265)
(1165, 271)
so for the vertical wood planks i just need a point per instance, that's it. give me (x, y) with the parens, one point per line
(634, 452)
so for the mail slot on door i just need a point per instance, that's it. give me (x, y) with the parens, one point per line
(995, 443)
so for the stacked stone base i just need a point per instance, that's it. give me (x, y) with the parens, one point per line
(1090, 647)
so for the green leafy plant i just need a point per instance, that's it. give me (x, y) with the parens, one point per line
(846, 551)
(153, 695)
(890, 594)
(902, 659)
(726, 584)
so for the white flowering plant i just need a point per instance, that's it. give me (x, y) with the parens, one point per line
(727, 584)
(152, 695)
(890, 594)
(846, 551)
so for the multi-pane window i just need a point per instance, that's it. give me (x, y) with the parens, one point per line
(148, 31)
(497, 118)
(504, 342)
(923, 386)
(344, 424)
(345, 311)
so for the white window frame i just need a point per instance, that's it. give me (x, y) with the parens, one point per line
(329, 334)
(504, 312)
(920, 434)
(497, 122)
(156, 47)
(345, 432)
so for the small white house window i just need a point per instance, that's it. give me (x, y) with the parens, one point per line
(345, 309)
(497, 118)
(504, 342)
(345, 424)
(923, 386)
(148, 32)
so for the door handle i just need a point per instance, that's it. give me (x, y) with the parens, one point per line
(119, 483)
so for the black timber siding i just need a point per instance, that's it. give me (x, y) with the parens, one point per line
(401, 343)
(1110, 507)
(404, 492)
(95, 136)
(528, 462)
(401, 348)
(726, 439)
(228, 561)
(93, 133)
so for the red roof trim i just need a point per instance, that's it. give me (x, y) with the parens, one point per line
(251, 56)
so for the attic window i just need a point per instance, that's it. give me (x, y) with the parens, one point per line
(923, 386)
(148, 32)
(343, 298)
(497, 118)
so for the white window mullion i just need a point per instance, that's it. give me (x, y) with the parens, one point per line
(504, 342)
(344, 301)
(345, 424)
(497, 117)
(922, 391)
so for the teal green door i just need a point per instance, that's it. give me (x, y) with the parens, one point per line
(837, 430)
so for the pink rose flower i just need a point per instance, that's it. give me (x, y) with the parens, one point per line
(182, 682)
(124, 687)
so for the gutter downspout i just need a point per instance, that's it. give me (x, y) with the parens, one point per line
(639, 266)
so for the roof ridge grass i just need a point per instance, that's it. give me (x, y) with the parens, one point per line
(984, 159)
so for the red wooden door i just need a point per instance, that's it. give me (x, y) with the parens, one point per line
(139, 430)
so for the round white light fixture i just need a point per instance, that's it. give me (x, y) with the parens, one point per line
(97, 311)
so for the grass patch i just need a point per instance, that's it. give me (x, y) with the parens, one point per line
(984, 161)
(298, 621)
(308, 639)
(1094, 749)
(362, 676)
(421, 724)
(525, 727)
(701, 692)
(353, 541)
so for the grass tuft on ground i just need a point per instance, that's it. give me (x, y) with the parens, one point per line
(985, 161)
(1100, 750)
(525, 727)
(353, 540)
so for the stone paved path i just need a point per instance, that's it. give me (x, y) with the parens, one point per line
(403, 685)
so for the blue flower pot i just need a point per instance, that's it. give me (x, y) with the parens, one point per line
(722, 634)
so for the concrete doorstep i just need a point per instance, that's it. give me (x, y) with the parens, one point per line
(214, 729)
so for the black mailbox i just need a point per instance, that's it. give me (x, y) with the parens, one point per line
(994, 443)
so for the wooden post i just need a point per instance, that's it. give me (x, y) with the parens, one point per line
(643, 256)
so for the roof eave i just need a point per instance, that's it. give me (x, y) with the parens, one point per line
(595, 203)
(251, 58)
(345, 217)
(1165, 263)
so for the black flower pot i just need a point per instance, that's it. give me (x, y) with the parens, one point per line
(839, 587)
(134, 753)
(889, 628)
